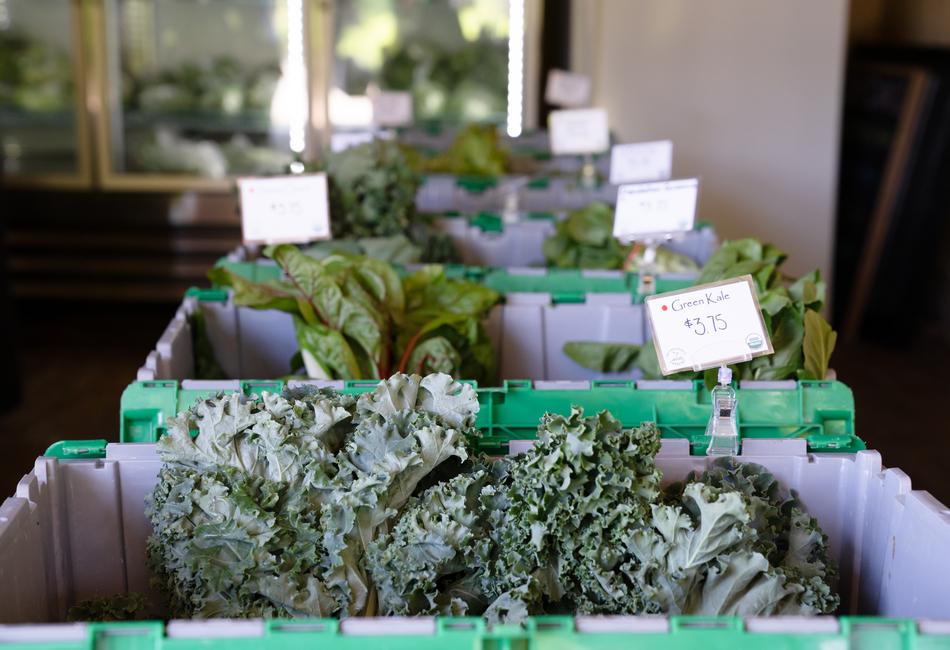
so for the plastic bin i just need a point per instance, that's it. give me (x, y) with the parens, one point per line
(76, 528)
(540, 313)
(485, 239)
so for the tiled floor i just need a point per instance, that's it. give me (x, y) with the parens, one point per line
(77, 362)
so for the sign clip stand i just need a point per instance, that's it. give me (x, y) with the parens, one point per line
(588, 172)
(511, 192)
(646, 285)
(723, 428)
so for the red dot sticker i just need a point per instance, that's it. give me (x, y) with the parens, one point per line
(663, 307)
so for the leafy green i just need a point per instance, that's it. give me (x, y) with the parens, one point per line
(579, 524)
(803, 341)
(372, 191)
(818, 343)
(355, 318)
(224, 86)
(603, 357)
(35, 76)
(395, 249)
(120, 607)
(206, 363)
(313, 503)
(475, 151)
(269, 509)
(585, 240)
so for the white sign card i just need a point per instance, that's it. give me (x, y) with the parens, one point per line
(655, 209)
(641, 162)
(708, 326)
(578, 131)
(568, 89)
(392, 108)
(346, 139)
(284, 209)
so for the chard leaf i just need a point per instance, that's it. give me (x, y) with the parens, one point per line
(260, 295)
(818, 345)
(603, 357)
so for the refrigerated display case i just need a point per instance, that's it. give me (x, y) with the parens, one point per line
(196, 91)
(43, 118)
(462, 61)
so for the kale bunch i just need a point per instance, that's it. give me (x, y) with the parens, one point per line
(314, 503)
(372, 191)
(791, 308)
(270, 509)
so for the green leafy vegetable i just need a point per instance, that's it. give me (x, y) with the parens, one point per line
(206, 363)
(818, 344)
(585, 240)
(474, 152)
(270, 509)
(314, 503)
(803, 341)
(120, 607)
(603, 357)
(355, 318)
(372, 191)
(35, 76)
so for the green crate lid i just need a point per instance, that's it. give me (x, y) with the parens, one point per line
(821, 412)
(539, 632)
(476, 184)
(573, 285)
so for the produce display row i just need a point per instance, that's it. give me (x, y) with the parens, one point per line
(487, 456)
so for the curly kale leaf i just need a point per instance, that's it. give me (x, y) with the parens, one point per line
(372, 191)
(729, 542)
(271, 507)
(120, 607)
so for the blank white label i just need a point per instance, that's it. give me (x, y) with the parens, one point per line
(346, 139)
(708, 326)
(655, 209)
(641, 162)
(392, 108)
(568, 89)
(284, 209)
(578, 131)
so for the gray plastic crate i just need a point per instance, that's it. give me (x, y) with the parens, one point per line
(77, 528)
(528, 332)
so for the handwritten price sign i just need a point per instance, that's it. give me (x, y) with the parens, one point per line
(708, 326)
(284, 209)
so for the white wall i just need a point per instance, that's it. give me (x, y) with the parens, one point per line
(749, 91)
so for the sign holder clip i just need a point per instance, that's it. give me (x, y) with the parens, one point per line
(723, 428)
(588, 172)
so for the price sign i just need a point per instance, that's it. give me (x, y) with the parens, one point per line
(708, 326)
(568, 89)
(579, 131)
(284, 209)
(392, 108)
(655, 209)
(641, 162)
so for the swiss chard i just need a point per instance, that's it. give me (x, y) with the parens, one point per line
(355, 318)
